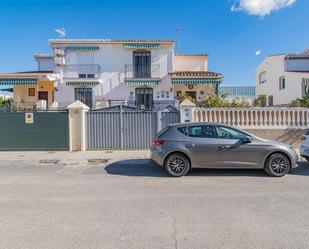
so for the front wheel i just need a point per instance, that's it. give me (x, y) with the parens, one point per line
(177, 165)
(277, 165)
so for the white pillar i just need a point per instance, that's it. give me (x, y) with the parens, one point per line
(77, 126)
(186, 111)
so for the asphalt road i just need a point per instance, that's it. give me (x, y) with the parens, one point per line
(134, 204)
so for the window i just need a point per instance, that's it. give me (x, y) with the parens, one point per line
(142, 64)
(31, 92)
(202, 131)
(262, 77)
(281, 83)
(90, 76)
(82, 76)
(270, 100)
(229, 133)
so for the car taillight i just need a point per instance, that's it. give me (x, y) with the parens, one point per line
(158, 142)
(303, 138)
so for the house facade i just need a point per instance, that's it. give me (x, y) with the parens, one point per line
(32, 88)
(104, 72)
(142, 73)
(283, 78)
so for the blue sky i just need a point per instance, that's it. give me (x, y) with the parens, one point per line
(230, 31)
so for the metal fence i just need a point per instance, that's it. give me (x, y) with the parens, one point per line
(44, 130)
(125, 129)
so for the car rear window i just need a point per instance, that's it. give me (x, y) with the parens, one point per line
(160, 133)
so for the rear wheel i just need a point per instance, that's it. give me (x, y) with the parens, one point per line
(277, 165)
(177, 164)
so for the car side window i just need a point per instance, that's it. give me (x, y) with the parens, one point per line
(229, 133)
(202, 131)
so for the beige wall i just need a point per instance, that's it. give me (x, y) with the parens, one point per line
(206, 88)
(21, 93)
(190, 63)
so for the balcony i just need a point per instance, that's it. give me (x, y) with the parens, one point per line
(82, 71)
(142, 72)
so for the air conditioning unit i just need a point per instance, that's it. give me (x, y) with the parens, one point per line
(59, 61)
(59, 52)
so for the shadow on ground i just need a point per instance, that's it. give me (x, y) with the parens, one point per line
(147, 168)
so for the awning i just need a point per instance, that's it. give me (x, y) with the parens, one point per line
(141, 45)
(17, 82)
(81, 83)
(195, 81)
(141, 82)
(82, 48)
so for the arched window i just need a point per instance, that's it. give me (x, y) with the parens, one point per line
(142, 64)
(262, 77)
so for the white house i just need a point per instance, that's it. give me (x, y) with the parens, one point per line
(142, 73)
(283, 78)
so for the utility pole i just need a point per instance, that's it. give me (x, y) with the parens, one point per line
(177, 40)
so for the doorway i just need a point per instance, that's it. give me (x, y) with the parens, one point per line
(84, 95)
(144, 97)
(191, 94)
(43, 95)
(142, 64)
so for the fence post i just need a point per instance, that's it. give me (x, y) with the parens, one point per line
(77, 126)
(159, 121)
(186, 111)
(121, 127)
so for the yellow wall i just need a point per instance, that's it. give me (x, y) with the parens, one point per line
(21, 94)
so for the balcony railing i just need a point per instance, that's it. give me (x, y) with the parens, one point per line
(142, 72)
(82, 71)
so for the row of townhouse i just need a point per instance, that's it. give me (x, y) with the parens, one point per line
(104, 72)
(283, 78)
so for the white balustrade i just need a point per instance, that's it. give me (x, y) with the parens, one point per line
(252, 118)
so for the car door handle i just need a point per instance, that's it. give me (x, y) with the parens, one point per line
(190, 146)
(224, 147)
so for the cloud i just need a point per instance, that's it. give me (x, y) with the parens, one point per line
(260, 7)
(258, 52)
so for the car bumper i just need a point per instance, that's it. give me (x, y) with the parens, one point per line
(304, 150)
(294, 159)
(157, 155)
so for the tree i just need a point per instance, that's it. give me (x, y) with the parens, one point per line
(260, 101)
(5, 102)
(301, 102)
(213, 100)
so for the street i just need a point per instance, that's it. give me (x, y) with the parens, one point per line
(134, 204)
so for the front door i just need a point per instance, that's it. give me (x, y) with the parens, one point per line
(84, 95)
(233, 152)
(203, 145)
(144, 98)
(43, 95)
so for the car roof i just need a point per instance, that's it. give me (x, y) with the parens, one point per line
(195, 123)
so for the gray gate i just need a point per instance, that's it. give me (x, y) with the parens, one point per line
(125, 129)
(48, 131)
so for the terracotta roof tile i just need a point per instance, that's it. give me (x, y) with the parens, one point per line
(87, 41)
(191, 54)
(195, 74)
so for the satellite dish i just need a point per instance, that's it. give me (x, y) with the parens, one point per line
(61, 32)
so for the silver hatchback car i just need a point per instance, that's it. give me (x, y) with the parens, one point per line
(180, 147)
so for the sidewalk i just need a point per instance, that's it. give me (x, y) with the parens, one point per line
(74, 156)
